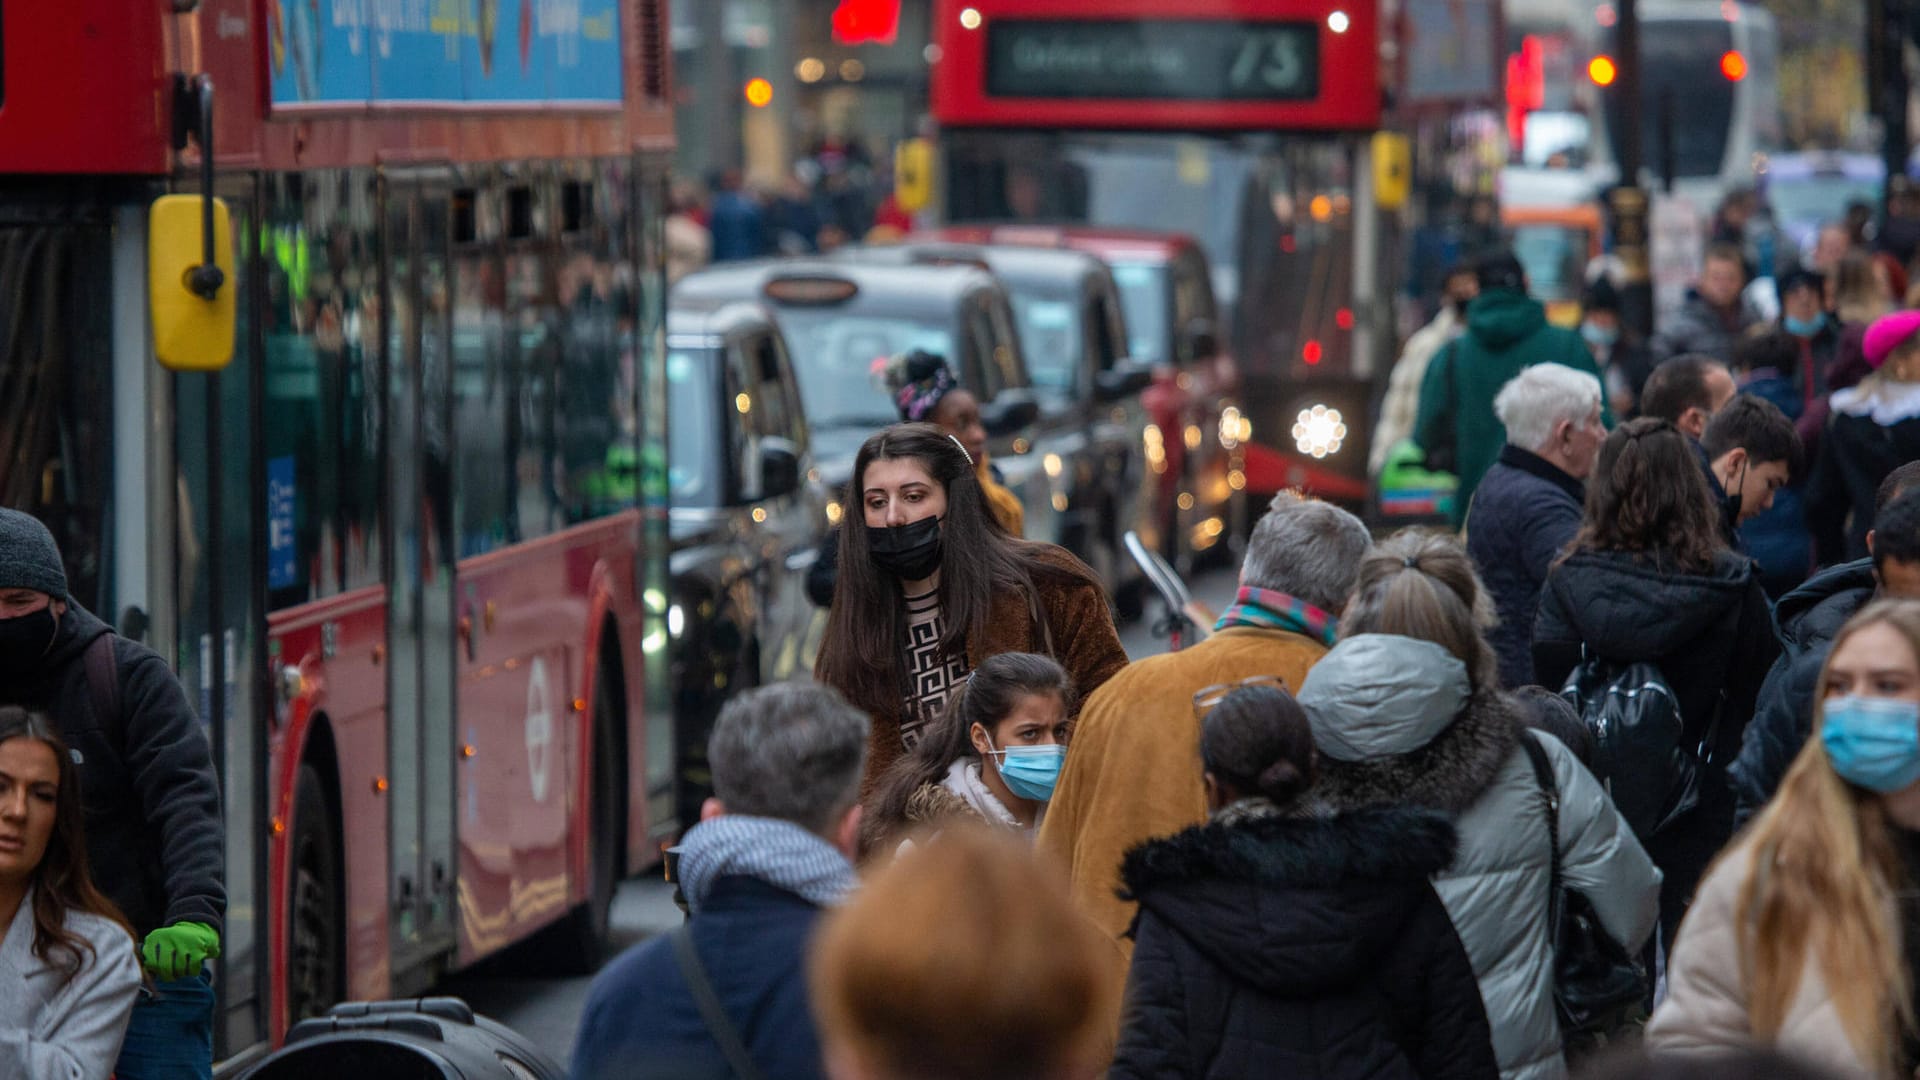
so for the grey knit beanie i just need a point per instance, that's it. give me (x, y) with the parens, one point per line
(29, 558)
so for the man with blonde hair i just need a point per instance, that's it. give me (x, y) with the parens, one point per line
(1529, 506)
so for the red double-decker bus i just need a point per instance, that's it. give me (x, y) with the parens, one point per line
(407, 549)
(1244, 123)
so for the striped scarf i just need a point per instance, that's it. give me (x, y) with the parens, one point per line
(777, 852)
(1272, 610)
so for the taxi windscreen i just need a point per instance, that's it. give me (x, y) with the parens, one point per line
(837, 357)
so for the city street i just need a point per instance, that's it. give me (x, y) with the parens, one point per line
(547, 1010)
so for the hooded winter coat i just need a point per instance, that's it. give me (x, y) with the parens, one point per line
(155, 837)
(1711, 635)
(1132, 773)
(1300, 947)
(1808, 617)
(1507, 332)
(1397, 725)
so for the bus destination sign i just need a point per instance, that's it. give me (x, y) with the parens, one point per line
(1153, 59)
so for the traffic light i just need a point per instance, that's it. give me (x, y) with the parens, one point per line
(864, 22)
(1602, 70)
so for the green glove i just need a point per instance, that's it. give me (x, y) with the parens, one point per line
(177, 951)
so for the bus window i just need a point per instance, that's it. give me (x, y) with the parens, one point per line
(322, 327)
(56, 419)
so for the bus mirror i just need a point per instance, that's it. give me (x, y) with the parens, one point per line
(1392, 169)
(190, 332)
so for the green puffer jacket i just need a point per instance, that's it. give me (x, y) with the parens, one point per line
(1507, 332)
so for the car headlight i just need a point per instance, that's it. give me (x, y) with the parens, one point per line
(1319, 431)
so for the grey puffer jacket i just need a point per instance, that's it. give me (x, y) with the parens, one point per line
(1396, 724)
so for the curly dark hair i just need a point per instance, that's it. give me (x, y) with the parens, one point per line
(1648, 496)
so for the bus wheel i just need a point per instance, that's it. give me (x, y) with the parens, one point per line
(314, 918)
(587, 931)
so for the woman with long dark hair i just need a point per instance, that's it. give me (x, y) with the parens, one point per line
(992, 758)
(67, 970)
(1648, 579)
(930, 587)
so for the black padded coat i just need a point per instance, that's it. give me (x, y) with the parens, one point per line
(1300, 947)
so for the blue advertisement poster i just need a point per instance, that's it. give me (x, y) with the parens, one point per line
(283, 551)
(444, 52)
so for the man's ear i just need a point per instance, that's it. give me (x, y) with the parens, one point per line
(1727, 465)
(846, 836)
(711, 809)
(1870, 546)
(1693, 422)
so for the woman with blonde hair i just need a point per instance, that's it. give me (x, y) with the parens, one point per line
(1407, 711)
(1800, 937)
(963, 960)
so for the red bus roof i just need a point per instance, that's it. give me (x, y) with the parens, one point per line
(314, 83)
(1158, 65)
(1140, 245)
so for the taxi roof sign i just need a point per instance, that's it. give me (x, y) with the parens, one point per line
(811, 290)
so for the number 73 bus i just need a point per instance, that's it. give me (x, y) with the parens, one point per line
(406, 549)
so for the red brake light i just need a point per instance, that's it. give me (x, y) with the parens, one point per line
(1733, 65)
(1310, 352)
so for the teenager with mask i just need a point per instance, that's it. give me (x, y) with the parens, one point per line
(1753, 453)
(68, 975)
(1402, 403)
(1803, 936)
(993, 758)
(1625, 362)
(929, 588)
(925, 390)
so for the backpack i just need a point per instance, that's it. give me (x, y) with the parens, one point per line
(1641, 748)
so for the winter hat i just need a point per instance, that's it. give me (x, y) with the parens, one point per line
(917, 381)
(1501, 270)
(29, 558)
(1888, 333)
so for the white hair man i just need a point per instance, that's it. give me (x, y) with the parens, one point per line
(1529, 506)
(1131, 776)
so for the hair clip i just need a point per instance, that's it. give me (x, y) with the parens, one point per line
(963, 450)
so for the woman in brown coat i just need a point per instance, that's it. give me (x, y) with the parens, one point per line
(931, 587)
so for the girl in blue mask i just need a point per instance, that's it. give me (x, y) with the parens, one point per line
(1806, 934)
(993, 757)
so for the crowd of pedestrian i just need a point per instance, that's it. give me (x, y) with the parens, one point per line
(1487, 802)
(832, 197)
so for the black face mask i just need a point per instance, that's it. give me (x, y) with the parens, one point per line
(25, 639)
(1735, 499)
(909, 552)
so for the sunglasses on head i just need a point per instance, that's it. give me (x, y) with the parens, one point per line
(1207, 697)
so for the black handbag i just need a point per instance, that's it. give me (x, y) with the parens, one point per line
(1599, 988)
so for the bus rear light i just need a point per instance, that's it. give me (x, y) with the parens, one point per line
(1343, 318)
(1733, 65)
(1310, 352)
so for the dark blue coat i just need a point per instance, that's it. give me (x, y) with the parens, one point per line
(640, 1018)
(1809, 617)
(1523, 516)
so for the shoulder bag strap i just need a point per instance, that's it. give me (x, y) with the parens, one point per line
(1550, 795)
(719, 1025)
(103, 688)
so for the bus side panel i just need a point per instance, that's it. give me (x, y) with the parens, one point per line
(526, 611)
(339, 647)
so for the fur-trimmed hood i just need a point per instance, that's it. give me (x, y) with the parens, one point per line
(1447, 773)
(1293, 905)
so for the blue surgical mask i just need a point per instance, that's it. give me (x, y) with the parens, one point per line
(1030, 771)
(1804, 327)
(1872, 742)
(1601, 336)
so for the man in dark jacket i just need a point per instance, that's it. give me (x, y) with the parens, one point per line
(1809, 617)
(726, 995)
(1507, 332)
(1752, 451)
(1528, 508)
(1716, 312)
(155, 837)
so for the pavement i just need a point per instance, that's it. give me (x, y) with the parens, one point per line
(547, 1010)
